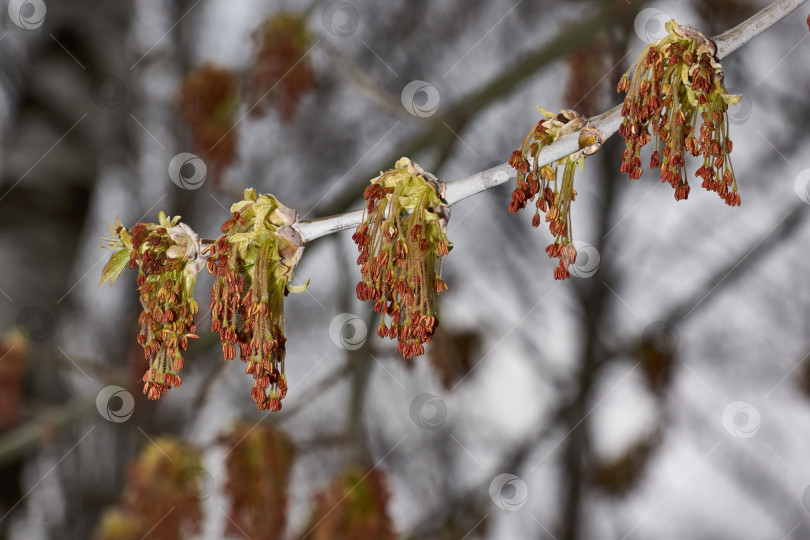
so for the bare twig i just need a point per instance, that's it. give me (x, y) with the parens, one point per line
(32, 434)
(365, 84)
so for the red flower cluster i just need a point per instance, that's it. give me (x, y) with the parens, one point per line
(165, 474)
(402, 241)
(261, 338)
(673, 80)
(353, 505)
(208, 100)
(260, 258)
(282, 73)
(715, 147)
(258, 465)
(167, 319)
(13, 351)
(536, 181)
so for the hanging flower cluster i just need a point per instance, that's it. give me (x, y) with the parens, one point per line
(553, 199)
(258, 466)
(586, 84)
(402, 240)
(13, 351)
(253, 263)
(282, 73)
(674, 81)
(353, 505)
(162, 497)
(167, 255)
(208, 100)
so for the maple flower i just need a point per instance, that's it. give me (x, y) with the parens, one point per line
(208, 100)
(282, 73)
(675, 82)
(13, 351)
(553, 199)
(253, 263)
(353, 505)
(402, 240)
(258, 466)
(165, 474)
(168, 257)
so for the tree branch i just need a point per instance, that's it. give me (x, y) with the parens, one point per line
(733, 39)
(607, 122)
(459, 114)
